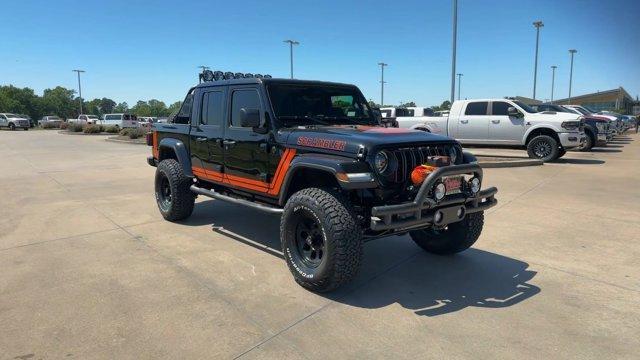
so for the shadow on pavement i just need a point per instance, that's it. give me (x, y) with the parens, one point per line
(432, 285)
(582, 161)
(605, 150)
(394, 269)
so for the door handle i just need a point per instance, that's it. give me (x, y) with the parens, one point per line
(201, 139)
(495, 121)
(464, 121)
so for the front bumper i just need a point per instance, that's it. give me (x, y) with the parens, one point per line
(422, 211)
(570, 140)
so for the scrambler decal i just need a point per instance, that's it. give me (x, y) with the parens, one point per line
(337, 145)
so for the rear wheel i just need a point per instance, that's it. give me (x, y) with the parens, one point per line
(12, 127)
(321, 239)
(453, 239)
(173, 194)
(543, 147)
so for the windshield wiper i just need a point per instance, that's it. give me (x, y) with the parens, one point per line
(319, 120)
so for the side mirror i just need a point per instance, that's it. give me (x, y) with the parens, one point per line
(512, 111)
(249, 118)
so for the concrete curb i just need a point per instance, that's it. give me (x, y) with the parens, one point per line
(133, 142)
(512, 162)
(64, 132)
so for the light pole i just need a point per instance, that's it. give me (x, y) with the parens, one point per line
(79, 88)
(453, 57)
(382, 65)
(538, 24)
(459, 81)
(553, 79)
(572, 51)
(291, 43)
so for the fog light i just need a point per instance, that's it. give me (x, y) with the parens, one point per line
(437, 217)
(474, 185)
(439, 191)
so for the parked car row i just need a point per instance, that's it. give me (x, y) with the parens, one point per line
(546, 131)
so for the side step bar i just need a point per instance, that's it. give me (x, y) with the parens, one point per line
(215, 195)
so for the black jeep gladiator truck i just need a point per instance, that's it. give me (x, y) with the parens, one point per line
(315, 153)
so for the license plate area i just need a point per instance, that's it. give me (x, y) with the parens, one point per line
(453, 184)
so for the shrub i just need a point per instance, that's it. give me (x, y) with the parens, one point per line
(137, 133)
(125, 131)
(92, 129)
(63, 125)
(51, 125)
(111, 129)
(72, 127)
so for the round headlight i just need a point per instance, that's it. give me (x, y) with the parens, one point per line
(381, 162)
(439, 191)
(474, 184)
(453, 154)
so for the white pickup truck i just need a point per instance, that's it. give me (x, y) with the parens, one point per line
(408, 117)
(546, 136)
(85, 119)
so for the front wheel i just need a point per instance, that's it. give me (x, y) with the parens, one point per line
(172, 188)
(454, 238)
(543, 147)
(12, 127)
(588, 143)
(321, 239)
(26, 129)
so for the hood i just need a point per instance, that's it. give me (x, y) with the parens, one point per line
(552, 115)
(350, 138)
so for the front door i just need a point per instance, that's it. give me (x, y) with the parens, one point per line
(3, 120)
(504, 128)
(246, 152)
(473, 123)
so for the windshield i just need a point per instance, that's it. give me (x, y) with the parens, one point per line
(53, 117)
(582, 111)
(589, 109)
(12, 116)
(92, 116)
(525, 107)
(311, 104)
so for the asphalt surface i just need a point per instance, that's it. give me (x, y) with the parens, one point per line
(90, 270)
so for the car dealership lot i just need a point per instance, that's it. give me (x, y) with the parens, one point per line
(90, 269)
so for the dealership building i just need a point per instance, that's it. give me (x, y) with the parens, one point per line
(603, 100)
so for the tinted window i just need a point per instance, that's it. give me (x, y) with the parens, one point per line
(404, 112)
(212, 105)
(427, 112)
(184, 115)
(243, 99)
(476, 108)
(500, 108)
(112, 117)
(385, 113)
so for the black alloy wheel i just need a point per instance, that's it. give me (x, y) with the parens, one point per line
(309, 241)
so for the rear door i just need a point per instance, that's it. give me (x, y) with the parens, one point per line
(207, 131)
(473, 123)
(504, 128)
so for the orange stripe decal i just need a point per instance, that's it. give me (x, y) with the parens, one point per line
(272, 188)
(155, 144)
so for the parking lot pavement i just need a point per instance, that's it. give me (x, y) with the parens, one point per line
(90, 270)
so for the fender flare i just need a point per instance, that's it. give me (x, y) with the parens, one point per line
(538, 127)
(182, 155)
(327, 163)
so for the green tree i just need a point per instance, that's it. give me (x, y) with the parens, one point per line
(408, 104)
(174, 108)
(59, 101)
(121, 107)
(107, 105)
(20, 101)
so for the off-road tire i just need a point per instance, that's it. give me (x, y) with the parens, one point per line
(12, 127)
(455, 238)
(26, 129)
(589, 142)
(551, 151)
(338, 229)
(182, 199)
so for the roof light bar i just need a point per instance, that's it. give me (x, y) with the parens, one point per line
(208, 75)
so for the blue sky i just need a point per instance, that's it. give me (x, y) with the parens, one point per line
(133, 50)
